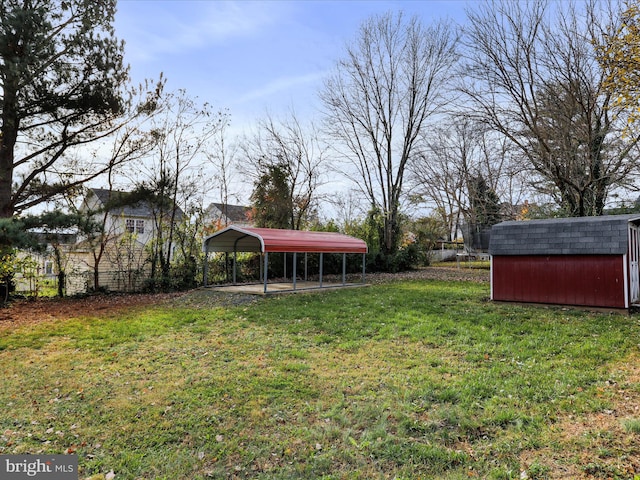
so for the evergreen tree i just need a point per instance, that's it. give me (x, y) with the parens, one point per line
(484, 203)
(271, 199)
(61, 78)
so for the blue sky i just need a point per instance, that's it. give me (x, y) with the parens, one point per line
(252, 57)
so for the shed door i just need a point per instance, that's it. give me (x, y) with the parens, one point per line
(634, 272)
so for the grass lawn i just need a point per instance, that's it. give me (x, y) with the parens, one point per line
(405, 380)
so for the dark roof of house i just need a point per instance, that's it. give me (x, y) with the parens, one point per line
(607, 234)
(235, 213)
(139, 209)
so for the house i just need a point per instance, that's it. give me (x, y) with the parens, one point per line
(582, 261)
(120, 216)
(117, 255)
(35, 268)
(221, 215)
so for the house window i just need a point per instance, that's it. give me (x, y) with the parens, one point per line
(140, 226)
(129, 225)
(48, 267)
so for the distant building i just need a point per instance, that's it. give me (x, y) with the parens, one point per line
(122, 245)
(120, 217)
(221, 215)
(33, 267)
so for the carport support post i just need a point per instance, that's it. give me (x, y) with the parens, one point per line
(305, 266)
(364, 265)
(235, 261)
(321, 262)
(295, 274)
(205, 268)
(266, 264)
(344, 269)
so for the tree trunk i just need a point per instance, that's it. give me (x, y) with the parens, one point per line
(391, 230)
(8, 138)
(61, 282)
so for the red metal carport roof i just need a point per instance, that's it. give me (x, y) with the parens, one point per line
(249, 239)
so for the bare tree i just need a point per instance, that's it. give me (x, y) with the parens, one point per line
(348, 208)
(440, 173)
(182, 132)
(299, 152)
(455, 159)
(378, 102)
(533, 76)
(129, 145)
(223, 157)
(127, 253)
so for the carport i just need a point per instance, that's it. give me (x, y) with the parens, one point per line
(235, 239)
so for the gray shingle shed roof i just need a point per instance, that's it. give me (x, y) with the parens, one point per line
(607, 234)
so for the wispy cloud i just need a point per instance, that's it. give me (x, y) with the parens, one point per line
(279, 85)
(167, 28)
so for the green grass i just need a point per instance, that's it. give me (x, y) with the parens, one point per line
(404, 380)
(465, 264)
(632, 425)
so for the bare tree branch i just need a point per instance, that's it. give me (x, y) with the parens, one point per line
(379, 99)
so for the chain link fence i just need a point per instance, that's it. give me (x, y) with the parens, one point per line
(111, 281)
(78, 283)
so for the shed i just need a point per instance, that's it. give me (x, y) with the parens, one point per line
(234, 239)
(581, 261)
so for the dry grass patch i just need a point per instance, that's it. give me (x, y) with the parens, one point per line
(600, 444)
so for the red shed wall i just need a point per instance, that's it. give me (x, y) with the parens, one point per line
(589, 280)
